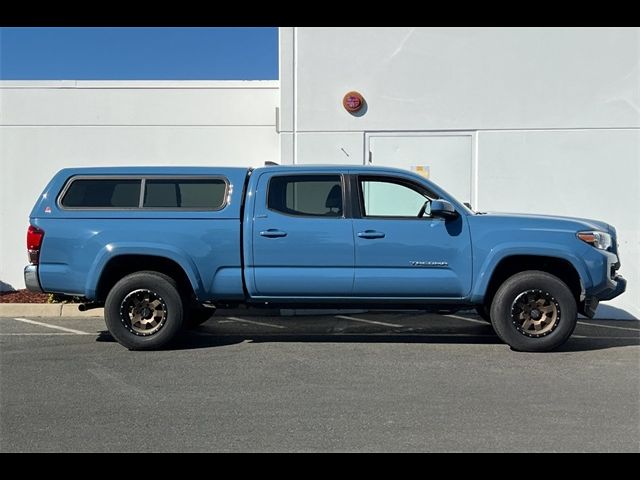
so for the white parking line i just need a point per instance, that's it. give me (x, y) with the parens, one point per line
(350, 334)
(609, 326)
(56, 327)
(468, 319)
(591, 337)
(52, 334)
(368, 321)
(391, 334)
(235, 319)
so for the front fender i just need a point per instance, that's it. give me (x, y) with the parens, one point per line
(116, 249)
(488, 265)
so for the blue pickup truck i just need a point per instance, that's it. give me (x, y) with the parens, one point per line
(156, 245)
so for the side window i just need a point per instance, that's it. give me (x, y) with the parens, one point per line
(208, 193)
(387, 198)
(102, 193)
(306, 195)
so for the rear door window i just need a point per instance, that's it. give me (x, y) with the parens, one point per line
(306, 195)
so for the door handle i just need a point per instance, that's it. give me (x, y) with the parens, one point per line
(273, 233)
(370, 234)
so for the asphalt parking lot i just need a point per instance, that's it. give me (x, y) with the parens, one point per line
(401, 381)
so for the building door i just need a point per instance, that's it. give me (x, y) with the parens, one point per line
(444, 158)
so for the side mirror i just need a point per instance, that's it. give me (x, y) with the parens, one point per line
(442, 208)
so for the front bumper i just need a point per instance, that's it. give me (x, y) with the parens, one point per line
(615, 286)
(31, 278)
(606, 283)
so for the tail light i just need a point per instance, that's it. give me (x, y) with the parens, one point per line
(34, 242)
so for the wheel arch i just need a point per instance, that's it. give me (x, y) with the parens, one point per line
(506, 266)
(109, 269)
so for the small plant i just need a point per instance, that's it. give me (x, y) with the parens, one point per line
(62, 298)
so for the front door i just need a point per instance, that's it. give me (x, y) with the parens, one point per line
(302, 240)
(401, 252)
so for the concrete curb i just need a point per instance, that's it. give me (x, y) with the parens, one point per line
(46, 310)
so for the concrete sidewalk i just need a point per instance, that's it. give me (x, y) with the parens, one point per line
(46, 310)
(71, 310)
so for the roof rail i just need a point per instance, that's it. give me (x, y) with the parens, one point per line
(270, 164)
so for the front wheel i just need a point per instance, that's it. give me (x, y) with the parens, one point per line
(534, 311)
(144, 310)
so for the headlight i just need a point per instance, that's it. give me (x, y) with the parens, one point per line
(597, 239)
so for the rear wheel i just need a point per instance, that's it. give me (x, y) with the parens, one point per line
(144, 310)
(534, 311)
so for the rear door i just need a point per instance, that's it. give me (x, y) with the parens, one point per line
(302, 238)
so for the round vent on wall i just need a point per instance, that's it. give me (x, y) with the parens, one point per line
(353, 102)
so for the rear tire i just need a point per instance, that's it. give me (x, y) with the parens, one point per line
(144, 310)
(534, 311)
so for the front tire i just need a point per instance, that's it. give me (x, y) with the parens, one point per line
(534, 311)
(144, 310)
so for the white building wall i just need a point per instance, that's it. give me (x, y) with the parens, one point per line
(46, 126)
(554, 114)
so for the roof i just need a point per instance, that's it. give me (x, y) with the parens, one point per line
(152, 170)
(209, 170)
(336, 167)
(128, 84)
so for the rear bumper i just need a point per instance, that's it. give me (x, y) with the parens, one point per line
(31, 278)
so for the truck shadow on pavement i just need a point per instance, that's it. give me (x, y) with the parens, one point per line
(198, 339)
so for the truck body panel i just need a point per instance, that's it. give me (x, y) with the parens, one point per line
(79, 243)
(253, 249)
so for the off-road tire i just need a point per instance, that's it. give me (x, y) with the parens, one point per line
(553, 295)
(163, 289)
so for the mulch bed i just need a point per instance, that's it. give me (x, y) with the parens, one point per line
(23, 296)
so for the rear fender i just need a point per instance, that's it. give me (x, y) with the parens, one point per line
(116, 249)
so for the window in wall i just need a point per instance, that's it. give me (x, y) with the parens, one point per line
(306, 195)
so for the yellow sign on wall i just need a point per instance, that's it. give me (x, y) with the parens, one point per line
(423, 170)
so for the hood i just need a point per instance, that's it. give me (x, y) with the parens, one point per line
(549, 221)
